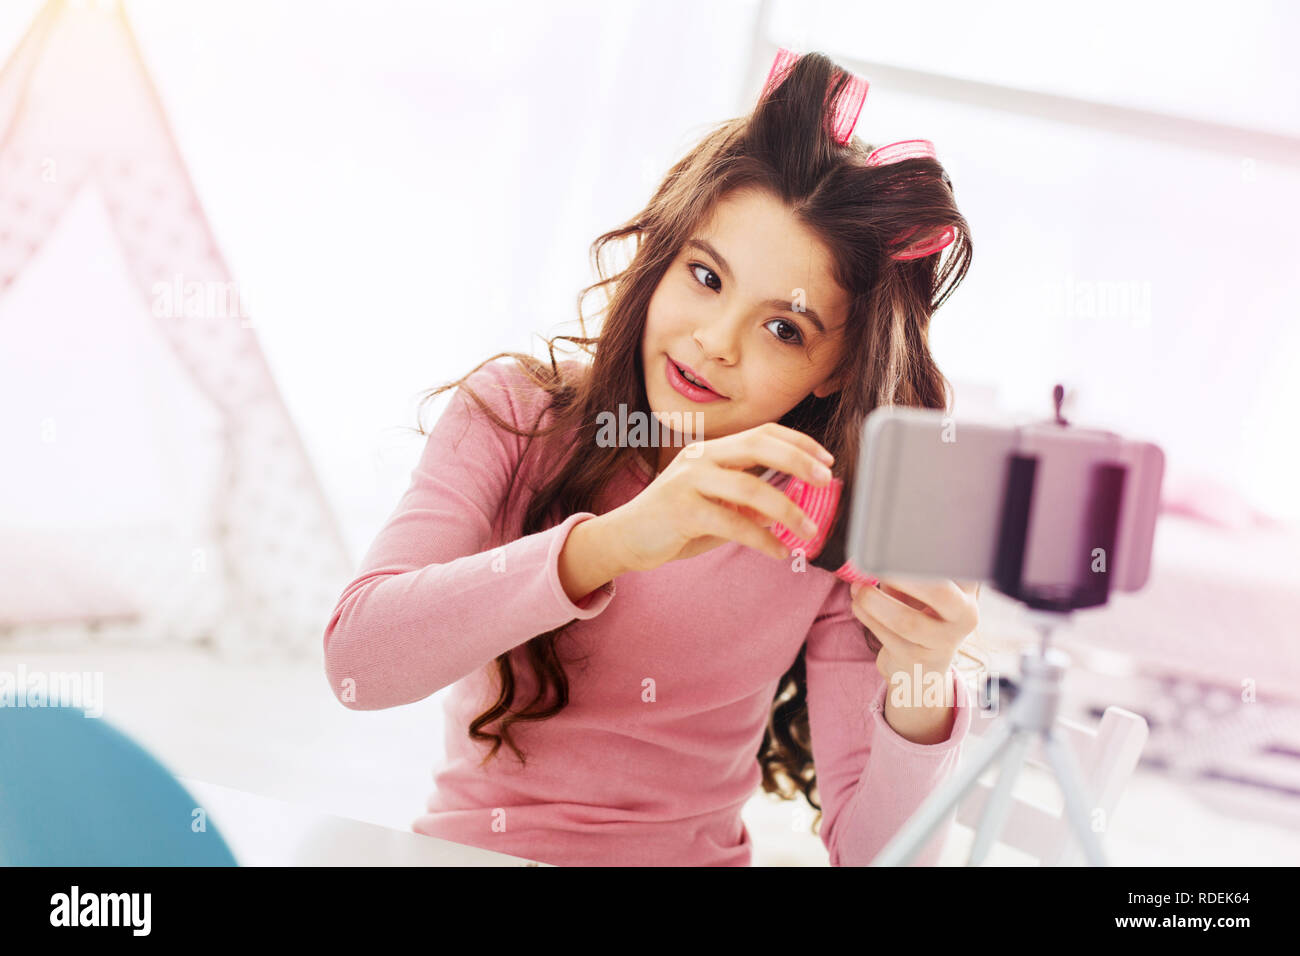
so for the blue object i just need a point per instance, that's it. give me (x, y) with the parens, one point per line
(75, 791)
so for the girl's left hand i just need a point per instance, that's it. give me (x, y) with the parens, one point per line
(917, 621)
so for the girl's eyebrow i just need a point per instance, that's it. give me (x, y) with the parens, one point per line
(785, 305)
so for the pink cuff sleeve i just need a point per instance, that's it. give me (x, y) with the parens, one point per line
(591, 604)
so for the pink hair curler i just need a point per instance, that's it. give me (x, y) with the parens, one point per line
(820, 503)
(928, 245)
(844, 117)
(847, 106)
(903, 149)
(931, 242)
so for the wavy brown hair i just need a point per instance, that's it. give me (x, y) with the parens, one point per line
(785, 146)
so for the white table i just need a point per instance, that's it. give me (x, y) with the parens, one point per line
(262, 831)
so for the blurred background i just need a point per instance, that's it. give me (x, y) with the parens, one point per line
(238, 240)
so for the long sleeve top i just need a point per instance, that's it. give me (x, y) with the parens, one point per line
(672, 671)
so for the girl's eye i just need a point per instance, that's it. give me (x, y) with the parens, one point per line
(797, 338)
(695, 265)
(794, 337)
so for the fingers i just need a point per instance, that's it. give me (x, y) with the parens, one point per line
(873, 606)
(745, 490)
(893, 649)
(773, 446)
(948, 600)
(801, 439)
(715, 519)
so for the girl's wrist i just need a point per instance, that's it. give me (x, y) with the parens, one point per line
(587, 561)
(608, 538)
(921, 725)
(923, 713)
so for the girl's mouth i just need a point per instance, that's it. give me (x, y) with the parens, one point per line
(696, 393)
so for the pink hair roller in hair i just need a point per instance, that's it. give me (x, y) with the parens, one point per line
(903, 149)
(844, 117)
(847, 105)
(820, 504)
(897, 152)
(925, 246)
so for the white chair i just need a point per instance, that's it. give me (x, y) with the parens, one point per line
(1106, 755)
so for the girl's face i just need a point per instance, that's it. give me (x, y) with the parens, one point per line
(750, 307)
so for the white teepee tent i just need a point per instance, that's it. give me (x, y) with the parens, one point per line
(152, 485)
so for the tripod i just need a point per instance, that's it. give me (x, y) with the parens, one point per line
(1032, 717)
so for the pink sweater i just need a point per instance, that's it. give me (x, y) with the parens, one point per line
(656, 752)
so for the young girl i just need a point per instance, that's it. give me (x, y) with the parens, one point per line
(626, 616)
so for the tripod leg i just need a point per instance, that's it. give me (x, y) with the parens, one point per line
(995, 811)
(912, 835)
(1068, 777)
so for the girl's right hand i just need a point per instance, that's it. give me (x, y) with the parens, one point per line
(705, 497)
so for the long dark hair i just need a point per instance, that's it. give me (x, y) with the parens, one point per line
(786, 147)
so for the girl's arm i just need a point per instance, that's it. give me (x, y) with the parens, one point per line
(429, 605)
(870, 779)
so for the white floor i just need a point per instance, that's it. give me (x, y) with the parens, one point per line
(275, 728)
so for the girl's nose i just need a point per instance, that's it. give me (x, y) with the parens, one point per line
(719, 341)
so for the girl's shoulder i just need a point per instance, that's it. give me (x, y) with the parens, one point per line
(521, 394)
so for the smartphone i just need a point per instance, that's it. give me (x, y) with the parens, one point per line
(936, 497)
